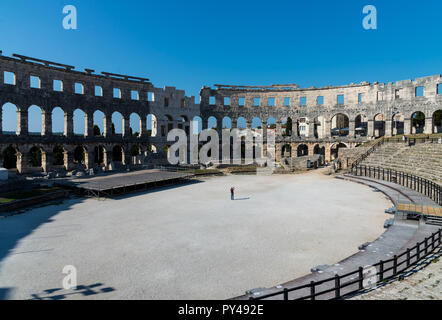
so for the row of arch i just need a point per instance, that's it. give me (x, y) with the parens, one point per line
(36, 120)
(45, 158)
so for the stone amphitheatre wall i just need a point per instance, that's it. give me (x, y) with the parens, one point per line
(365, 111)
(89, 92)
(324, 120)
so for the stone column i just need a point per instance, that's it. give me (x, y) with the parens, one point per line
(278, 128)
(89, 125)
(46, 122)
(68, 124)
(327, 152)
(407, 126)
(352, 129)
(68, 160)
(22, 163)
(295, 129)
(107, 130)
(278, 151)
(46, 161)
(311, 129)
(22, 122)
(1, 119)
(143, 126)
(327, 129)
(428, 129)
(388, 128)
(126, 127)
(89, 159)
(370, 128)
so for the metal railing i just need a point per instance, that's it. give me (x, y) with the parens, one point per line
(426, 187)
(353, 282)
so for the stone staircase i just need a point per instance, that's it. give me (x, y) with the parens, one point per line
(424, 159)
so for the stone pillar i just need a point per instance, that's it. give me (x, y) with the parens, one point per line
(107, 156)
(311, 129)
(143, 126)
(89, 125)
(327, 152)
(68, 124)
(89, 159)
(1, 119)
(370, 128)
(407, 126)
(22, 122)
(428, 129)
(388, 128)
(278, 151)
(327, 133)
(22, 163)
(68, 160)
(264, 140)
(126, 160)
(352, 129)
(278, 128)
(295, 129)
(107, 131)
(126, 127)
(46, 161)
(46, 122)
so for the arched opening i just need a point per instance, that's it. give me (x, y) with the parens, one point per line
(241, 123)
(135, 125)
(79, 155)
(334, 149)
(340, 125)
(58, 156)
(184, 124)
(398, 124)
(10, 157)
(9, 119)
(319, 150)
(117, 123)
(287, 126)
(417, 122)
(361, 125)
(35, 157)
(79, 122)
(99, 152)
(58, 121)
(34, 120)
(151, 125)
(437, 121)
(379, 125)
(99, 120)
(303, 126)
(212, 123)
(256, 123)
(302, 150)
(271, 123)
(227, 123)
(117, 154)
(286, 151)
(135, 152)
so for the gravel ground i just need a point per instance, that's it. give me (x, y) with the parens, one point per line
(188, 242)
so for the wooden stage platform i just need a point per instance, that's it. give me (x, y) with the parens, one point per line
(110, 184)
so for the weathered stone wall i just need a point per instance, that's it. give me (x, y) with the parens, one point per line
(170, 108)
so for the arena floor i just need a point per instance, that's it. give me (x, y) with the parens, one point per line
(188, 242)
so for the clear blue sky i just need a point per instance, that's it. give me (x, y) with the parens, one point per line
(188, 44)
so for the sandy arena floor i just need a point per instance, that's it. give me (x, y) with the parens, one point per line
(188, 242)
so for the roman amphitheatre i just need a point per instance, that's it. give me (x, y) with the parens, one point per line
(356, 184)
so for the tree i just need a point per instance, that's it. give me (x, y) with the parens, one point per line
(97, 131)
(288, 127)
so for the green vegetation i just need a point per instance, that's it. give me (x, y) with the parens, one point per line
(24, 194)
